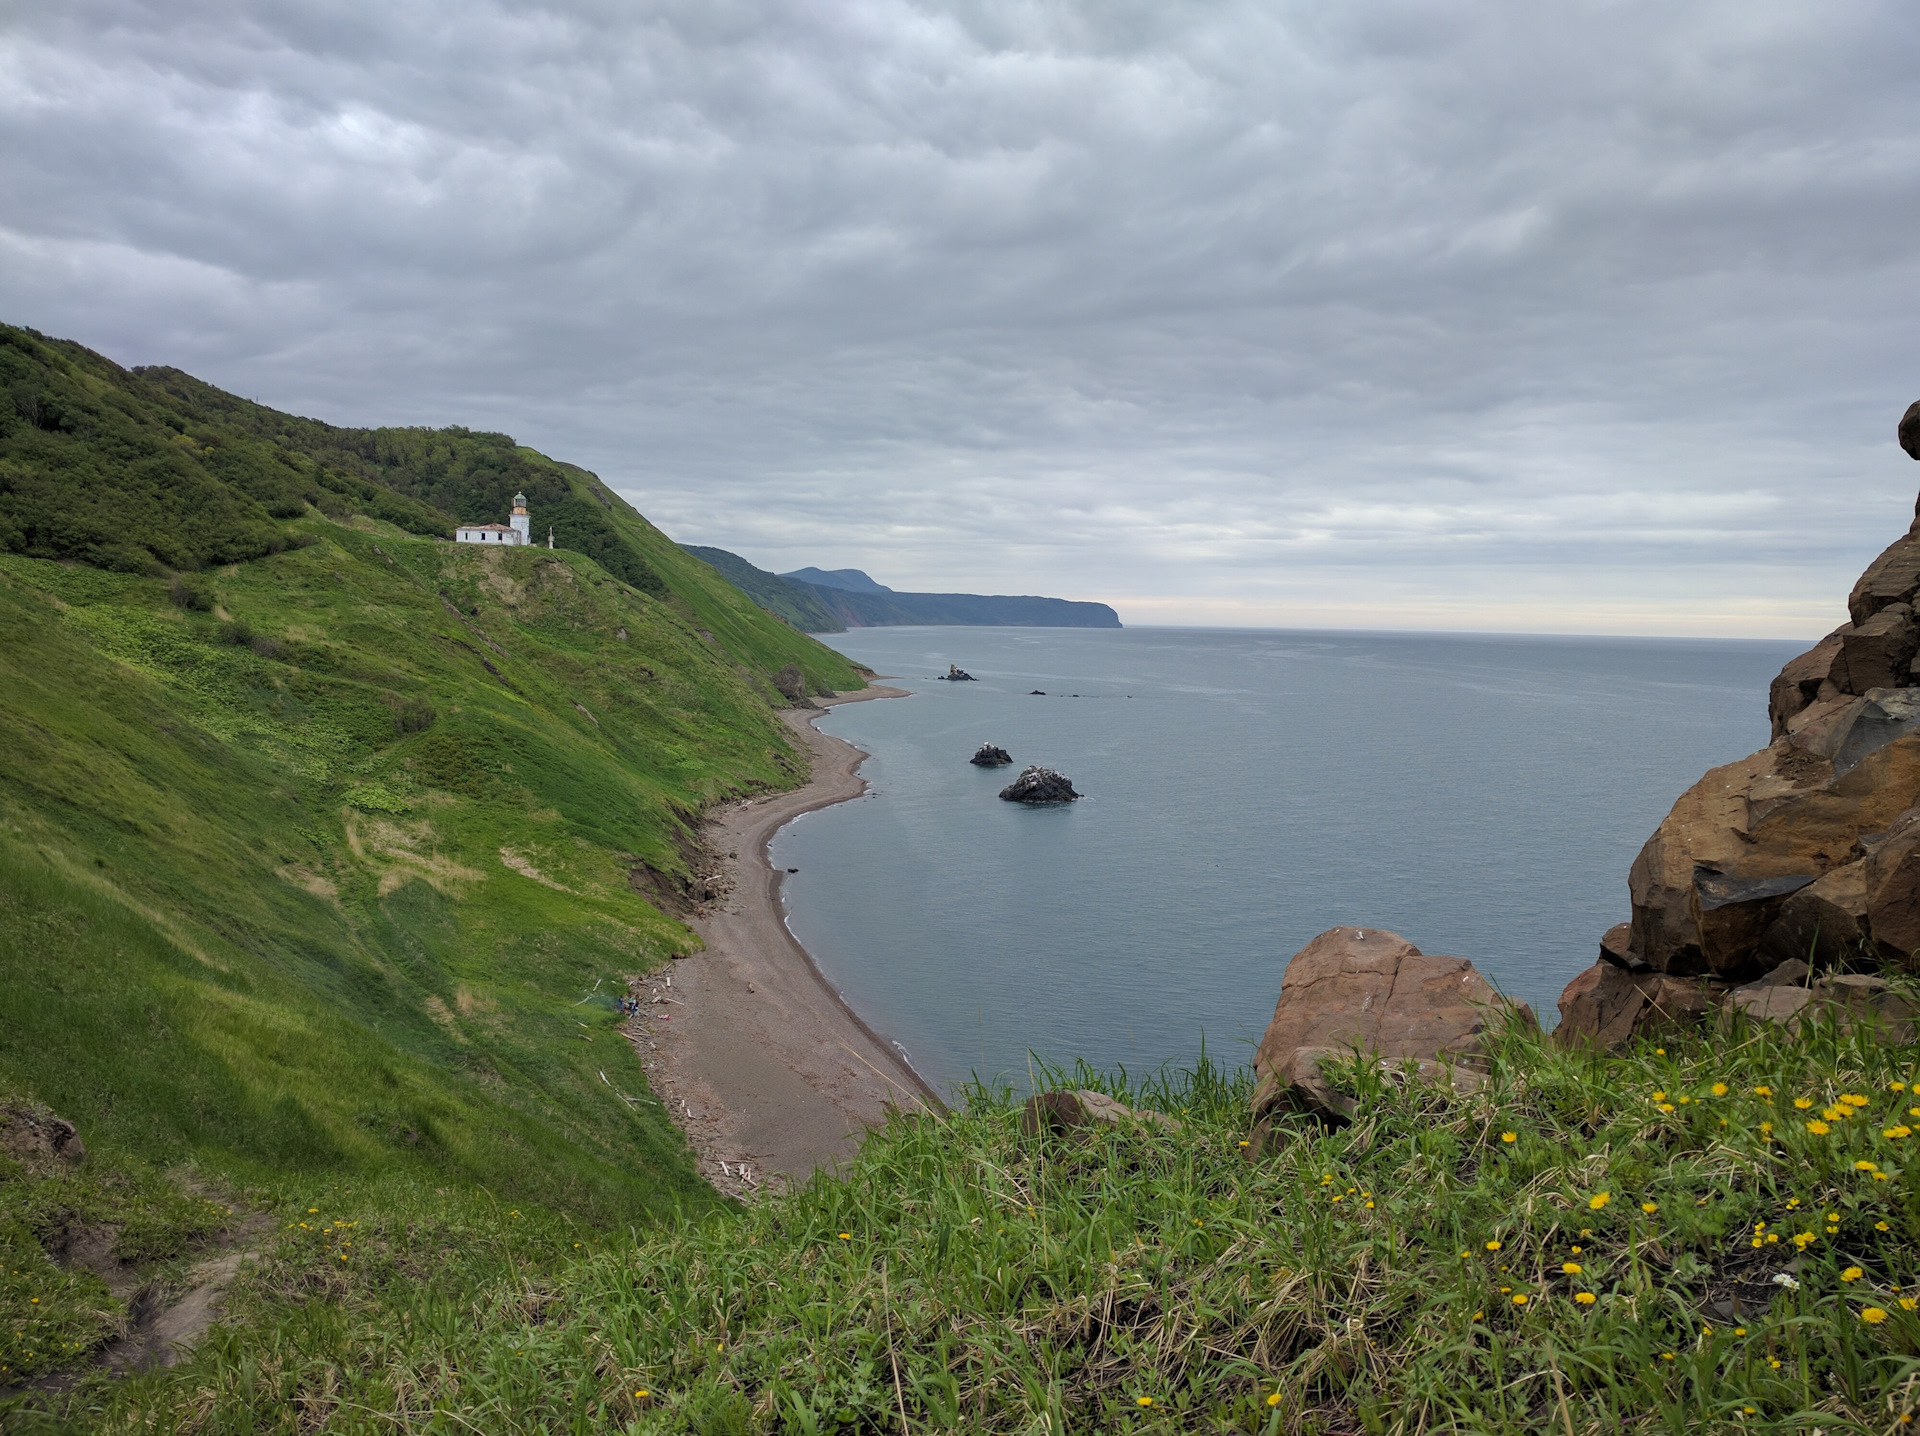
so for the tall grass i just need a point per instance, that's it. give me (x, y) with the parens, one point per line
(1425, 1269)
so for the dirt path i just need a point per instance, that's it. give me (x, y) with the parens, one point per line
(760, 1060)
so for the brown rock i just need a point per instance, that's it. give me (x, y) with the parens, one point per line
(1607, 1007)
(1890, 882)
(1616, 947)
(1771, 1004)
(1798, 684)
(1303, 1084)
(1879, 653)
(1894, 577)
(1372, 991)
(1851, 1001)
(32, 1134)
(1824, 923)
(1059, 1113)
(1910, 436)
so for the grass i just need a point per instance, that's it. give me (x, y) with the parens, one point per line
(317, 866)
(1421, 1270)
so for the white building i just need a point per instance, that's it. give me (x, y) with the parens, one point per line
(517, 530)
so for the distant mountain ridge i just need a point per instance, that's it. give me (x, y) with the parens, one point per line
(834, 600)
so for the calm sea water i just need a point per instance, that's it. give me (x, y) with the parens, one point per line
(1481, 795)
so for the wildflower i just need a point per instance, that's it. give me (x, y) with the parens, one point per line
(1274, 1400)
(1466, 1254)
(846, 1236)
(1836, 1114)
(1369, 1206)
(1571, 1268)
(1880, 1176)
(1907, 1303)
(1719, 1089)
(1833, 1216)
(1773, 1236)
(1493, 1246)
(1599, 1200)
(1881, 1227)
(1575, 1250)
(1896, 1132)
(1245, 1144)
(1803, 1102)
(1792, 1202)
(1509, 1137)
(1649, 1207)
(1865, 1167)
(1143, 1401)
(1666, 1356)
(1685, 1101)
(1659, 1052)
(1585, 1298)
(1739, 1331)
(1802, 1239)
(1766, 1129)
(1659, 1096)
(1520, 1299)
(1896, 1086)
(641, 1393)
(1855, 1099)
(1872, 1315)
(1586, 1231)
(1763, 1091)
(1666, 1107)
(1774, 1362)
(1819, 1129)
(1913, 1111)
(1852, 1273)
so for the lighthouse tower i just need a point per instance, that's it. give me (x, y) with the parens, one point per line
(522, 525)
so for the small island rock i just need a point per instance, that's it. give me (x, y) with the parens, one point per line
(955, 674)
(1040, 785)
(991, 755)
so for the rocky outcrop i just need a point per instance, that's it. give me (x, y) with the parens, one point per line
(1808, 849)
(1369, 991)
(955, 674)
(31, 1134)
(1068, 1113)
(991, 756)
(1607, 1006)
(1040, 785)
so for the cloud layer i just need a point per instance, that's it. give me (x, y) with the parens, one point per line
(1393, 313)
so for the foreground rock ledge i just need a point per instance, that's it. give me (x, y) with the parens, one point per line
(1371, 991)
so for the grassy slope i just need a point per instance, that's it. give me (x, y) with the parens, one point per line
(795, 602)
(1419, 1271)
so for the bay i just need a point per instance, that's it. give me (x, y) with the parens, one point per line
(1482, 795)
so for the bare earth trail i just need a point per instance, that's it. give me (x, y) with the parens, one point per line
(759, 1059)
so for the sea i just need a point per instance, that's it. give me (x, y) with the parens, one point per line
(1481, 795)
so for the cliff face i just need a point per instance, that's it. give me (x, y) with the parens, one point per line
(1808, 850)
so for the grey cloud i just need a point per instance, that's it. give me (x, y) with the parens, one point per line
(1594, 315)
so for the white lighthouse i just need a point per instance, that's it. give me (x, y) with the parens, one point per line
(516, 532)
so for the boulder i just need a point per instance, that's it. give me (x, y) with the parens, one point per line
(1849, 1000)
(1910, 436)
(991, 756)
(1893, 577)
(1370, 991)
(955, 674)
(1801, 682)
(1606, 1006)
(1890, 893)
(1063, 1113)
(1040, 785)
(1823, 923)
(1879, 653)
(33, 1135)
(1616, 947)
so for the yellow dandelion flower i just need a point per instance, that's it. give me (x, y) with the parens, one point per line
(1897, 1132)
(1880, 1177)
(1666, 1107)
(1872, 1315)
(1852, 1273)
(1855, 1099)
(1649, 1207)
(1865, 1167)
(1881, 1227)
(846, 1236)
(1907, 1303)
(1571, 1268)
(1659, 1096)
(1585, 1298)
(1896, 1086)
(1493, 1246)
(1719, 1089)
(1575, 1250)
(1143, 1401)
(1274, 1400)
(1659, 1052)
(1803, 1102)
(1520, 1299)
(1763, 1091)
(1509, 1137)
(1818, 1128)
(1766, 1129)
(1599, 1200)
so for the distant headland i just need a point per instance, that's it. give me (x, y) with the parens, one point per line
(832, 601)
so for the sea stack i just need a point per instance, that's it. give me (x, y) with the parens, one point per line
(991, 755)
(1039, 785)
(955, 674)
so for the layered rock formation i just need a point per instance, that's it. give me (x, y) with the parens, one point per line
(1808, 850)
(1040, 785)
(991, 755)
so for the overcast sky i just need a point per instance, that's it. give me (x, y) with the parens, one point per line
(1595, 315)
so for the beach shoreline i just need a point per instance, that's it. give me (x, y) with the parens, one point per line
(757, 1056)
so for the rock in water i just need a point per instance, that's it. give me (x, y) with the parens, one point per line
(991, 755)
(955, 674)
(1040, 785)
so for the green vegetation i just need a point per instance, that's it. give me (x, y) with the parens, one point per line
(1548, 1255)
(796, 603)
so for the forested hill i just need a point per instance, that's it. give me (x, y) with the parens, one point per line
(325, 842)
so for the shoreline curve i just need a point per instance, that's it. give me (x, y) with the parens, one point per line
(764, 1064)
